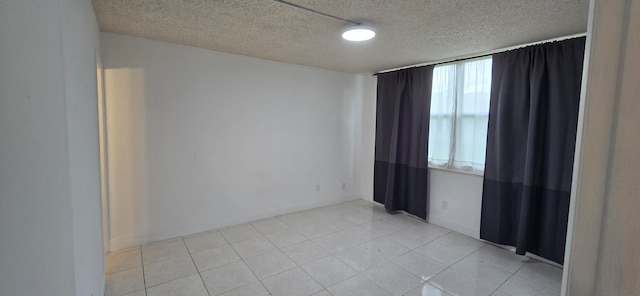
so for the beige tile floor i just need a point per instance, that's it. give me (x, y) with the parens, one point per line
(353, 248)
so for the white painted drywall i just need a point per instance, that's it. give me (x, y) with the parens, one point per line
(604, 238)
(201, 139)
(80, 44)
(367, 137)
(36, 249)
(461, 191)
(46, 223)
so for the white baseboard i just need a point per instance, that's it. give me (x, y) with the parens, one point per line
(220, 222)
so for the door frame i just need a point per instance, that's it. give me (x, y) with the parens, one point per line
(104, 155)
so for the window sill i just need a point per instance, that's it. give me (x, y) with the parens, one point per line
(456, 171)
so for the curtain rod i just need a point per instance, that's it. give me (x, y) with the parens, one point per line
(481, 55)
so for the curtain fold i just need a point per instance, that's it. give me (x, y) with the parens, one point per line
(535, 95)
(402, 135)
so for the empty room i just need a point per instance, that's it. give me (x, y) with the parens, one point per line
(304, 147)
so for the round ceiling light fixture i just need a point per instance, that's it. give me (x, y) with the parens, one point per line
(358, 33)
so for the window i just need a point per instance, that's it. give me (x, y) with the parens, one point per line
(459, 115)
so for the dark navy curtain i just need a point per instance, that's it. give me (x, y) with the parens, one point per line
(402, 135)
(535, 94)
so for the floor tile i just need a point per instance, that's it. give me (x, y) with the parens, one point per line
(392, 278)
(359, 217)
(137, 293)
(292, 254)
(269, 264)
(357, 285)
(535, 278)
(296, 218)
(459, 243)
(367, 255)
(123, 282)
(304, 252)
(339, 223)
(426, 289)
(127, 249)
(227, 278)
(359, 258)
(163, 251)
(421, 266)
(505, 259)
(240, 232)
(361, 203)
(314, 230)
(407, 239)
(253, 289)
(119, 261)
(377, 212)
(253, 247)
(285, 238)
(427, 230)
(442, 253)
(322, 293)
(329, 271)
(338, 209)
(168, 270)
(456, 283)
(217, 257)
(161, 242)
(380, 228)
(386, 248)
(327, 213)
(205, 242)
(344, 239)
(523, 287)
(402, 220)
(269, 225)
(188, 286)
(485, 272)
(294, 282)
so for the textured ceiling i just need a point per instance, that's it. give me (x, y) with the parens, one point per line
(408, 32)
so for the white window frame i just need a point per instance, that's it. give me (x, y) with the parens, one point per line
(454, 117)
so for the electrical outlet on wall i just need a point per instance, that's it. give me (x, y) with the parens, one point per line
(444, 204)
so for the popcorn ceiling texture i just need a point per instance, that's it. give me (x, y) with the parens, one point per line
(408, 32)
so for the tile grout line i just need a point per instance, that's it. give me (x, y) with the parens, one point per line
(358, 273)
(512, 275)
(330, 254)
(144, 280)
(195, 266)
(245, 263)
(451, 266)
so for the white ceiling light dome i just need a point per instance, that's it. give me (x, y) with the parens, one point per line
(358, 33)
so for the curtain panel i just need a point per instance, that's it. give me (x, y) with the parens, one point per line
(402, 136)
(535, 96)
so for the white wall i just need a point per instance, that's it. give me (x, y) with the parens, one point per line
(200, 139)
(35, 208)
(367, 137)
(81, 40)
(604, 238)
(42, 201)
(461, 191)
(462, 194)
